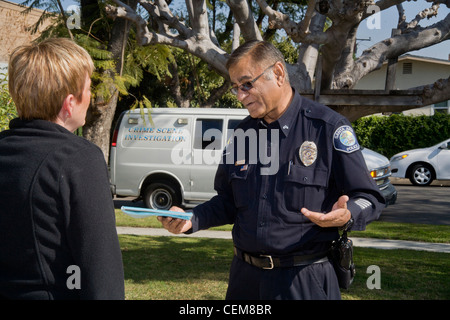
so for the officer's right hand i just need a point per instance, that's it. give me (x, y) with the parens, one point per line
(175, 225)
(337, 217)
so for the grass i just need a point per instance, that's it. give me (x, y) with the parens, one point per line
(172, 268)
(405, 231)
(376, 229)
(405, 275)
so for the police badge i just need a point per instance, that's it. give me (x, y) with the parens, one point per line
(308, 153)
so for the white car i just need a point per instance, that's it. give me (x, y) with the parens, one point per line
(422, 166)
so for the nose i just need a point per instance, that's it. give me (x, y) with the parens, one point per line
(241, 94)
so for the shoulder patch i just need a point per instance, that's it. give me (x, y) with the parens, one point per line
(344, 139)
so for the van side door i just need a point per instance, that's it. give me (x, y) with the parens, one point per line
(208, 144)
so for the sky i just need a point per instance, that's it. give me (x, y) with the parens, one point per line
(379, 29)
(388, 20)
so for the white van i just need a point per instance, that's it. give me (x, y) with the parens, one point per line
(172, 159)
(146, 160)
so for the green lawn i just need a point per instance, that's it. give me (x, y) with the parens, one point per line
(174, 268)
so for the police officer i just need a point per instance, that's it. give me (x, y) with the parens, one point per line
(284, 219)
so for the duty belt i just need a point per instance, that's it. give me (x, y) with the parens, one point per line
(269, 262)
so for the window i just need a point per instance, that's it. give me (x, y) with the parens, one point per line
(208, 131)
(407, 67)
(441, 107)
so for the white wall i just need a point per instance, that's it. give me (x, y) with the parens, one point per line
(423, 72)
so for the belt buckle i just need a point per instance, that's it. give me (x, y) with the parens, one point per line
(270, 260)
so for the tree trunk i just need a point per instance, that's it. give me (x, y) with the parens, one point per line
(101, 113)
(98, 123)
(175, 88)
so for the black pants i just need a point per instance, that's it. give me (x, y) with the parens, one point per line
(312, 282)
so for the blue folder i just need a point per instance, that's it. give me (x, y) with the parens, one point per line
(137, 212)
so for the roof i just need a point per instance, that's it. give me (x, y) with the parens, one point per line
(423, 59)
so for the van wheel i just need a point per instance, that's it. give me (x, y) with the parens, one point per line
(161, 196)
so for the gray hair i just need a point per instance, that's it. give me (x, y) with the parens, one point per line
(262, 53)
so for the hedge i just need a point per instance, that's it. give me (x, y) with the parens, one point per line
(7, 107)
(397, 133)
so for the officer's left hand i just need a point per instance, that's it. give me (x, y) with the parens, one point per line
(337, 217)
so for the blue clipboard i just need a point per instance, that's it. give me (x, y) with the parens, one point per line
(137, 212)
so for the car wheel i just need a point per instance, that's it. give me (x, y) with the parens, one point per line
(161, 196)
(421, 175)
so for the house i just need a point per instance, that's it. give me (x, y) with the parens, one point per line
(14, 29)
(412, 71)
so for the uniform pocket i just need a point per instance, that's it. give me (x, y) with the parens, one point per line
(305, 187)
(240, 185)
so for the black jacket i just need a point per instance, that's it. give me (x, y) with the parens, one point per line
(56, 215)
(264, 206)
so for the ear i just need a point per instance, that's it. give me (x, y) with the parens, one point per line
(68, 106)
(280, 73)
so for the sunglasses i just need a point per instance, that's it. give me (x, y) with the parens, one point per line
(246, 86)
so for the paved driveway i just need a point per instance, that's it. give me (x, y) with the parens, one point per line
(426, 205)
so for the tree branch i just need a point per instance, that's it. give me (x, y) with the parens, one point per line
(199, 45)
(427, 13)
(236, 36)
(198, 17)
(445, 2)
(373, 58)
(303, 70)
(436, 92)
(401, 16)
(161, 13)
(244, 18)
(384, 4)
(297, 32)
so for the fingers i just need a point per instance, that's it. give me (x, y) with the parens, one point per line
(313, 216)
(342, 202)
(335, 218)
(175, 208)
(174, 225)
(338, 216)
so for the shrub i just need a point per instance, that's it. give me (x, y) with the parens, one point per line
(397, 133)
(7, 107)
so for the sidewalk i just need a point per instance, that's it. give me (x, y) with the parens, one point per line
(358, 242)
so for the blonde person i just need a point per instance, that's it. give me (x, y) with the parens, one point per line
(57, 226)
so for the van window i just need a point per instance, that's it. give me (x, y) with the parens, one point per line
(213, 130)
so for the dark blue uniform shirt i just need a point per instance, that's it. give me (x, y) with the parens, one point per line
(262, 190)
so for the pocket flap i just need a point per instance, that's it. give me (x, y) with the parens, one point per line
(307, 176)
